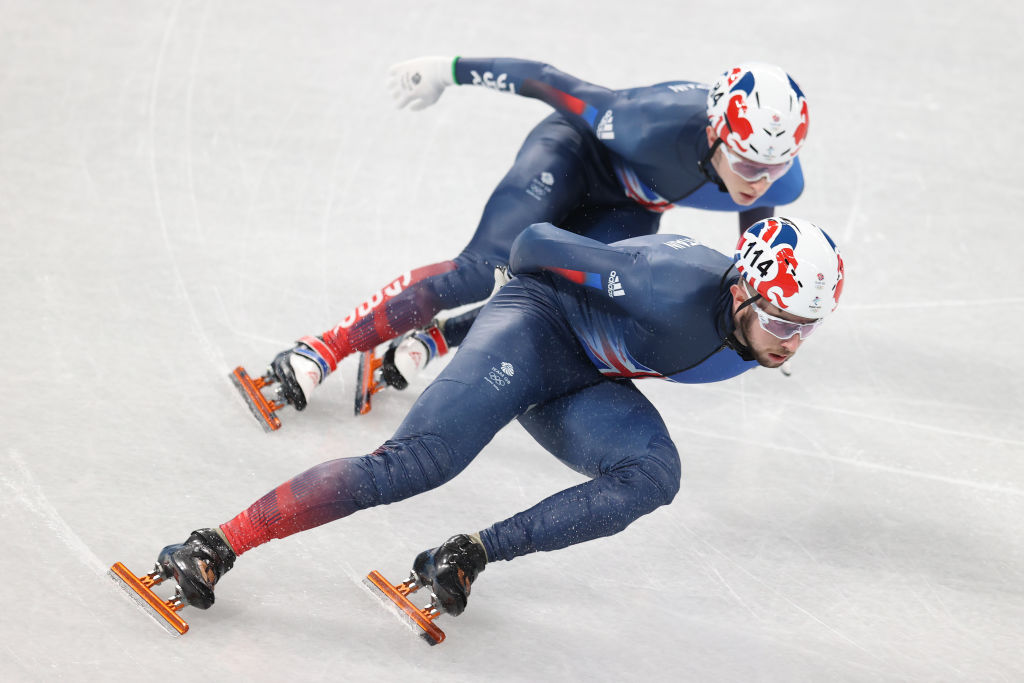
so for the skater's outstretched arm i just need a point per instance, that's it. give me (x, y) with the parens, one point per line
(640, 125)
(420, 82)
(561, 91)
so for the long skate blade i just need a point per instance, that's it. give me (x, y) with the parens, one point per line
(150, 602)
(261, 408)
(402, 607)
(365, 386)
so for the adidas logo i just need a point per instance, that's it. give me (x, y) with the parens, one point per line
(606, 128)
(614, 286)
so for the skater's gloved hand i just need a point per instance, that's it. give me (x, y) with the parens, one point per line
(419, 82)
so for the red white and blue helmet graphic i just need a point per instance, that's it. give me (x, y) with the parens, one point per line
(793, 264)
(759, 112)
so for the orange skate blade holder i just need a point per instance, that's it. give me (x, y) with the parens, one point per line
(140, 589)
(369, 363)
(262, 408)
(419, 619)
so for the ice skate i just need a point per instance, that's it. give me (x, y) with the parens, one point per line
(397, 598)
(194, 567)
(140, 589)
(447, 572)
(404, 358)
(290, 380)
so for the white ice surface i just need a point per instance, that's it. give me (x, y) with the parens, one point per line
(187, 186)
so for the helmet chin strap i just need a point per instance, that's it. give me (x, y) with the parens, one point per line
(732, 341)
(708, 170)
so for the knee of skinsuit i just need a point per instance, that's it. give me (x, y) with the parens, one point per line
(406, 466)
(656, 472)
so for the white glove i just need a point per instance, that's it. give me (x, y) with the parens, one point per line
(420, 81)
(502, 276)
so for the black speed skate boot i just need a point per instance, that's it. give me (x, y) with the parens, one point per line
(409, 354)
(196, 565)
(449, 570)
(298, 370)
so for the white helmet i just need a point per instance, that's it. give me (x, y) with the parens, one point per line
(759, 112)
(793, 264)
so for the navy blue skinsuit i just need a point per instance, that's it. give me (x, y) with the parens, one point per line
(606, 165)
(555, 348)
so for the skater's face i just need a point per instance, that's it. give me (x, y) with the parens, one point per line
(769, 350)
(743, 191)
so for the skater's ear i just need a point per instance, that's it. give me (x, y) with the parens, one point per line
(739, 294)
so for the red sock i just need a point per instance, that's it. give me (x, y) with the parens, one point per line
(278, 514)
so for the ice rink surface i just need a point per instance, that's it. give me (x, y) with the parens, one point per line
(188, 186)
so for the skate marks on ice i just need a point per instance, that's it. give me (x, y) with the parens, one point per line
(23, 489)
(766, 588)
(888, 469)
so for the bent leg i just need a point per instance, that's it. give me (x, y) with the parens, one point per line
(610, 432)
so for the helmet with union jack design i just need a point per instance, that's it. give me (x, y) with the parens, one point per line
(793, 264)
(759, 112)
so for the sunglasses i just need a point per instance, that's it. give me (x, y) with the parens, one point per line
(784, 329)
(751, 171)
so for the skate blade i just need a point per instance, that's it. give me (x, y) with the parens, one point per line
(365, 384)
(421, 621)
(262, 409)
(165, 612)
